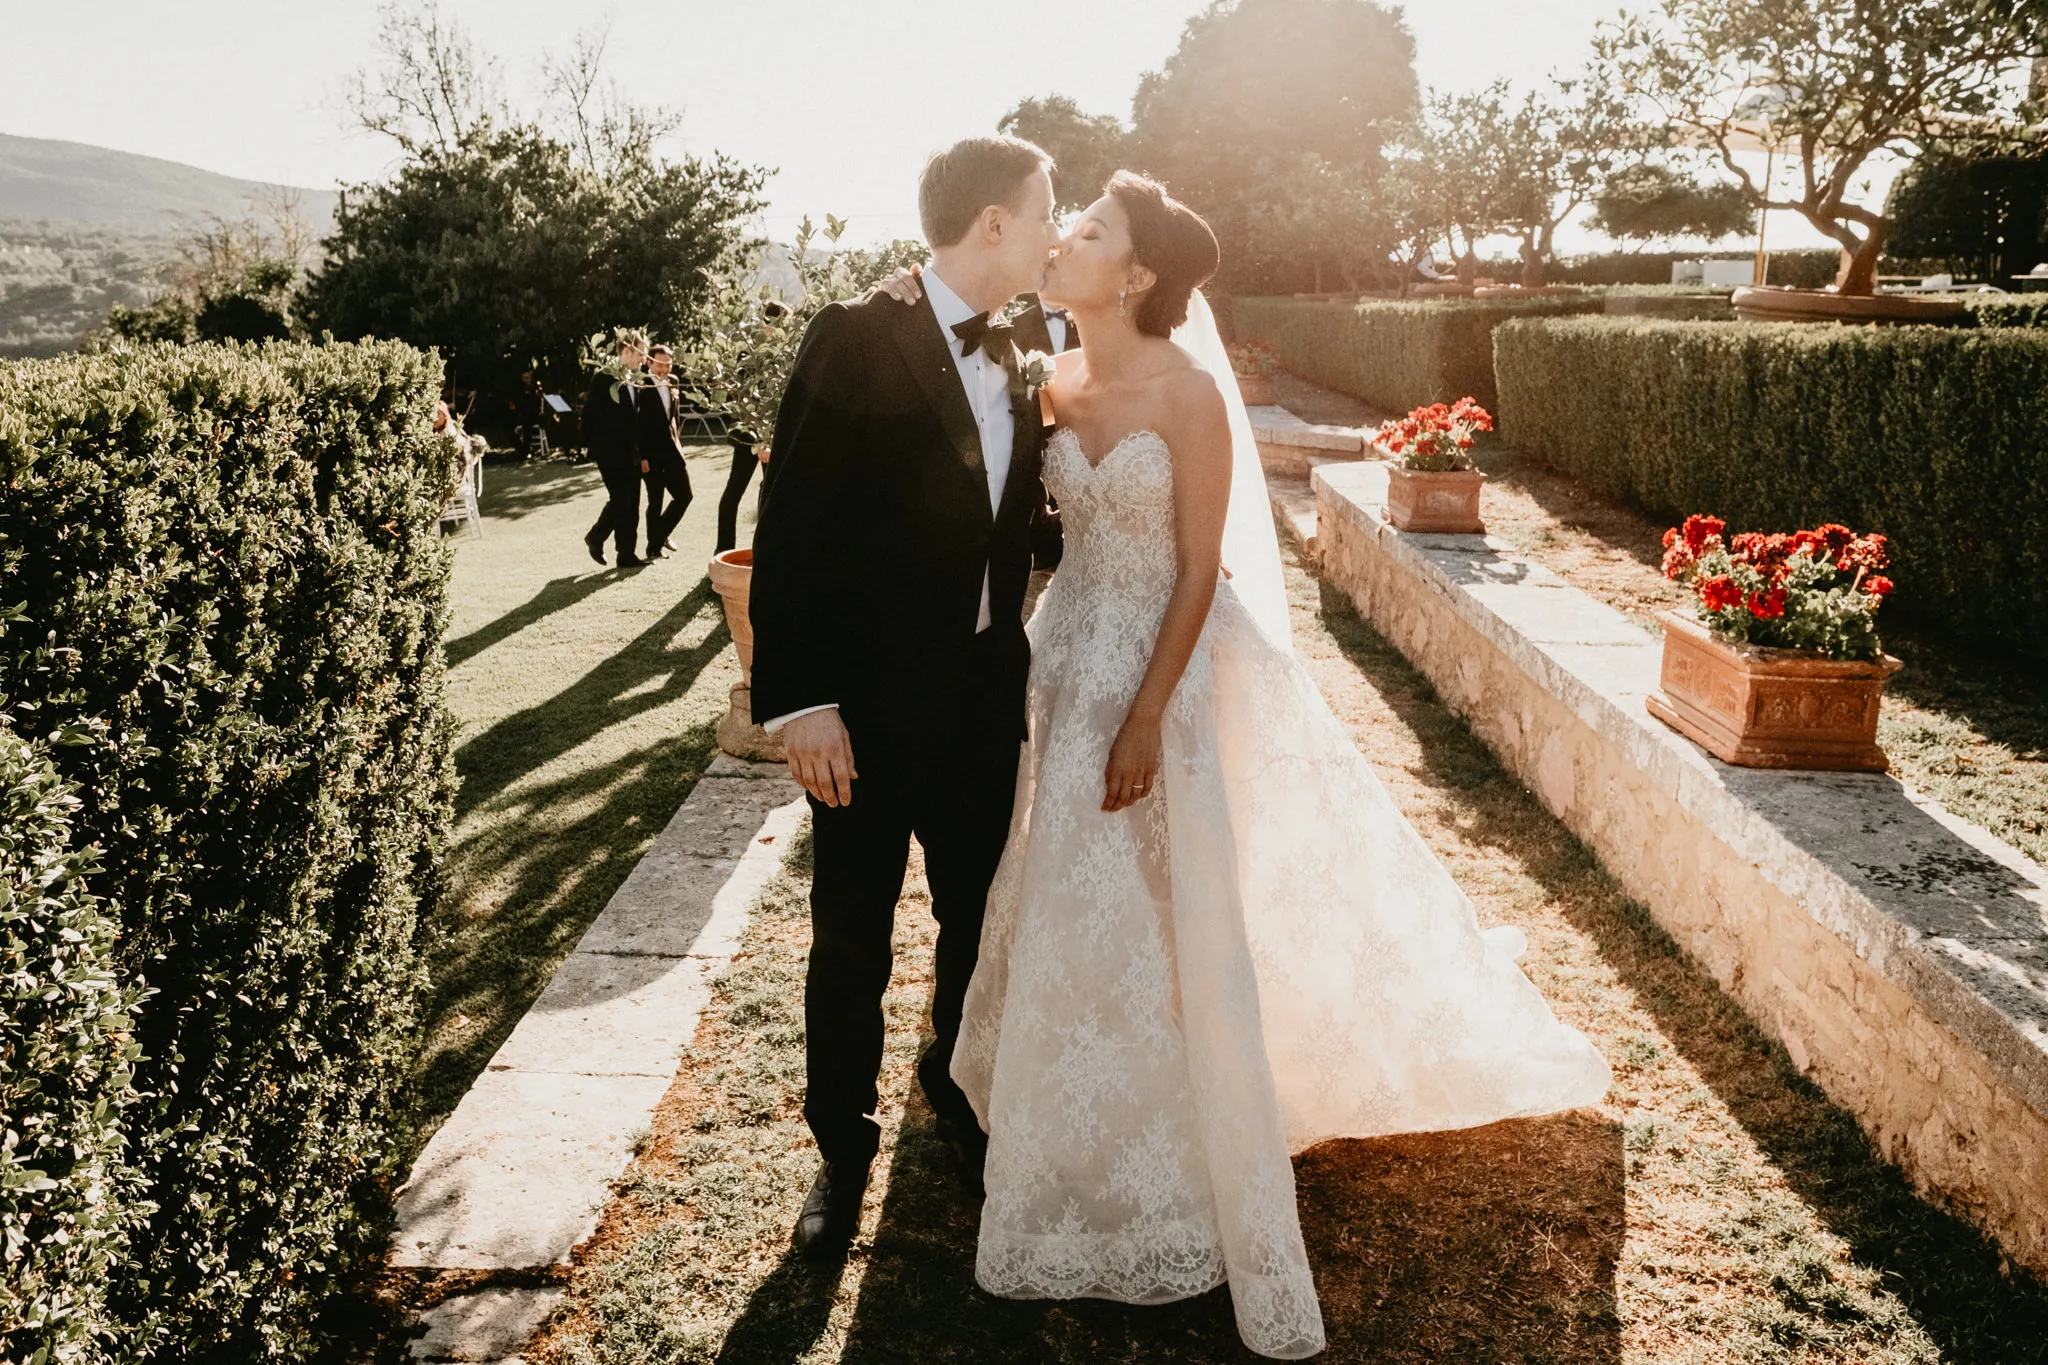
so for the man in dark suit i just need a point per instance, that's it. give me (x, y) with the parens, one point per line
(661, 453)
(611, 431)
(890, 566)
(1040, 328)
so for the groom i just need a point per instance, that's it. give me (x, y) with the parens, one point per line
(890, 566)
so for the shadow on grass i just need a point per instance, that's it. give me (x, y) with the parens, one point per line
(558, 595)
(1950, 1277)
(612, 692)
(514, 488)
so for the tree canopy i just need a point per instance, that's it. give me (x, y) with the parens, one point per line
(1086, 148)
(1833, 82)
(1256, 86)
(503, 251)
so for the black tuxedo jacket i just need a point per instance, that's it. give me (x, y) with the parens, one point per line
(869, 554)
(1032, 332)
(611, 425)
(659, 434)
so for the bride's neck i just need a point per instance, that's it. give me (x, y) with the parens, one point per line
(1111, 344)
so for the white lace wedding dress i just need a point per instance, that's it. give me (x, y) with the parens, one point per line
(1260, 955)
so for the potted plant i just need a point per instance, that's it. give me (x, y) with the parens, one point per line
(1431, 484)
(738, 368)
(1254, 363)
(1780, 666)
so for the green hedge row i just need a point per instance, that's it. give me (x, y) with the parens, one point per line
(1394, 354)
(2009, 310)
(235, 594)
(1936, 437)
(68, 1195)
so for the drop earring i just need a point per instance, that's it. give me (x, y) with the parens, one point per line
(1120, 302)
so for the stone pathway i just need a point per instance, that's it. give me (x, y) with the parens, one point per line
(518, 1174)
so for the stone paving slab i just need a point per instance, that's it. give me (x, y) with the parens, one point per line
(518, 1174)
(1276, 425)
(492, 1325)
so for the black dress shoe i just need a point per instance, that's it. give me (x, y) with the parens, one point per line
(631, 562)
(824, 1230)
(595, 544)
(969, 1146)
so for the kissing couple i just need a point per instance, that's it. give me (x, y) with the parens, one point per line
(1183, 930)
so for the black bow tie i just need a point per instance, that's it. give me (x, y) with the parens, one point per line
(993, 339)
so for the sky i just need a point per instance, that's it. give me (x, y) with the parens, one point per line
(843, 97)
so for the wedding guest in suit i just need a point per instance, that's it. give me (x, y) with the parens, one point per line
(661, 453)
(1044, 328)
(747, 454)
(611, 430)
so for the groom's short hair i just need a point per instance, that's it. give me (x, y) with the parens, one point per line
(961, 181)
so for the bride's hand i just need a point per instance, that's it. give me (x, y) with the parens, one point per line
(903, 286)
(1133, 763)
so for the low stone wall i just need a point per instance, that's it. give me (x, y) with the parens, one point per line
(1289, 447)
(1898, 953)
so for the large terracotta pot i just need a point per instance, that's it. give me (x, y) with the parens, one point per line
(1769, 708)
(1444, 502)
(1775, 304)
(1256, 390)
(732, 578)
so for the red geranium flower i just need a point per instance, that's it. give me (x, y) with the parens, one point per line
(1877, 585)
(1720, 592)
(1767, 606)
(1698, 530)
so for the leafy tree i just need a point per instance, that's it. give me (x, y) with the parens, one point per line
(1086, 148)
(233, 279)
(1984, 217)
(1833, 81)
(1334, 219)
(503, 251)
(1648, 201)
(1558, 152)
(1464, 172)
(1254, 86)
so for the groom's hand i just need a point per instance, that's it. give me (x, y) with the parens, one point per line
(821, 756)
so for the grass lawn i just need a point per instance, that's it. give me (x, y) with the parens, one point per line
(1715, 1209)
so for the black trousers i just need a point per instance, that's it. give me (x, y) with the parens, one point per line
(956, 799)
(668, 496)
(621, 516)
(736, 481)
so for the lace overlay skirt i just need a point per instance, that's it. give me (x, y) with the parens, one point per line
(1260, 955)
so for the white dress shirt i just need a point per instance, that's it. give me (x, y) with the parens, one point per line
(987, 386)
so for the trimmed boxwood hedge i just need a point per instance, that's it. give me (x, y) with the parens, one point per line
(1395, 354)
(1937, 437)
(235, 593)
(2009, 310)
(68, 1197)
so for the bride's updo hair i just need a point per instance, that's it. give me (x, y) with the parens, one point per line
(1169, 239)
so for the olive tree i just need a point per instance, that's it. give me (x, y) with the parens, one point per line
(1833, 83)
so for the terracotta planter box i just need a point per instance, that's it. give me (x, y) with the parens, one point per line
(1769, 708)
(1256, 390)
(1776, 304)
(732, 578)
(1438, 503)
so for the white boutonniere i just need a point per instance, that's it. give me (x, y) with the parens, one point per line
(1034, 371)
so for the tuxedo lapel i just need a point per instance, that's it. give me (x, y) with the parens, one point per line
(1027, 426)
(931, 363)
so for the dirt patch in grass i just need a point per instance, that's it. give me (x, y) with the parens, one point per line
(1715, 1209)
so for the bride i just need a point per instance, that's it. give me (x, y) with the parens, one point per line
(1213, 940)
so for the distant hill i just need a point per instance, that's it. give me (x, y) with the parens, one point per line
(73, 182)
